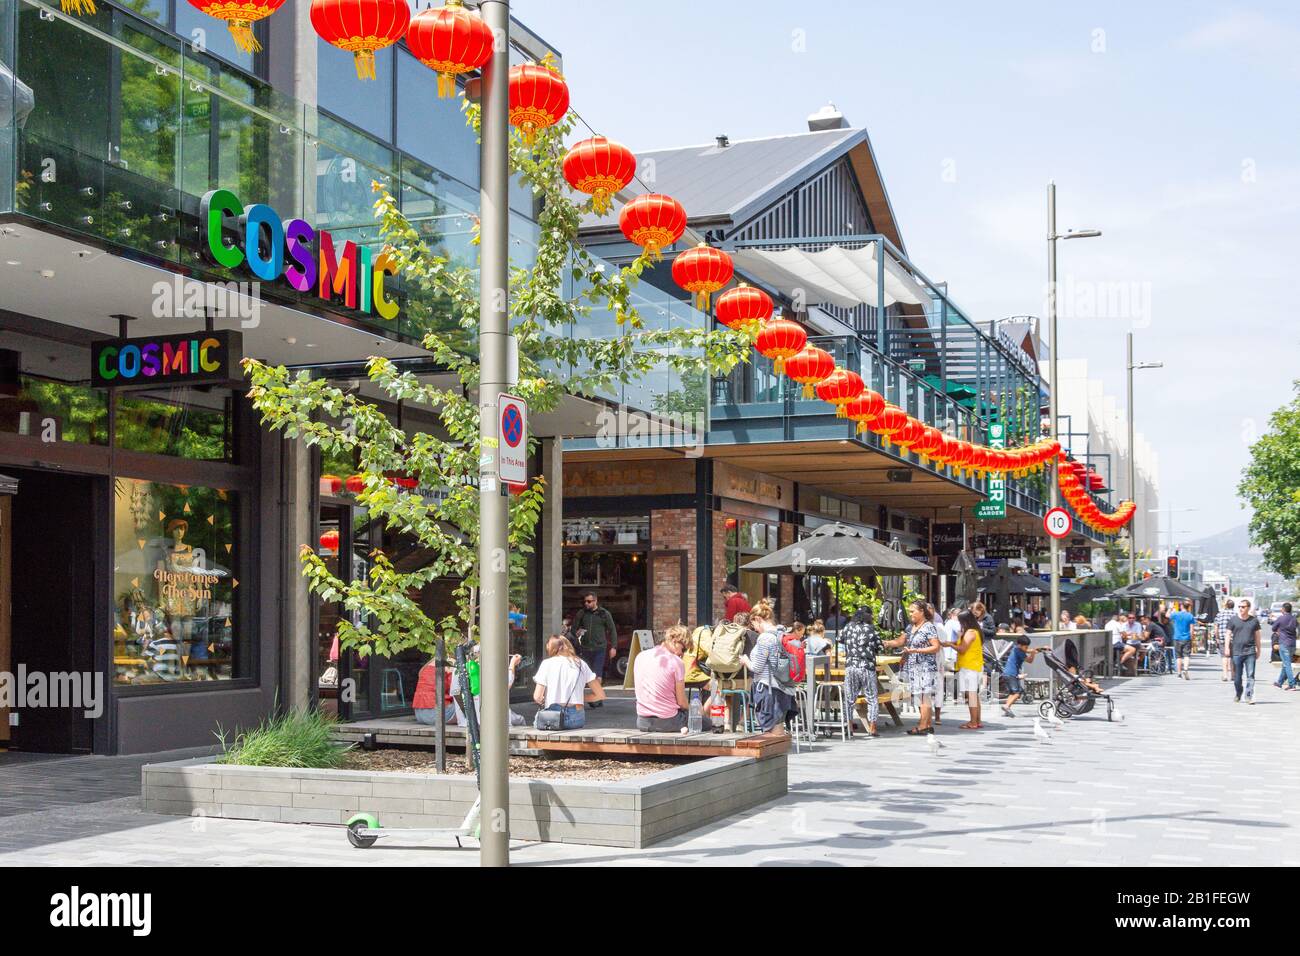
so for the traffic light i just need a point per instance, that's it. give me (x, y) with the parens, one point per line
(1171, 566)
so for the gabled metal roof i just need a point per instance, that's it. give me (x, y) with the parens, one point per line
(730, 184)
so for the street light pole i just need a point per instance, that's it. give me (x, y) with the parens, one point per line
(494, 516)
(1132, 460)
(1054, 492)
(1054, 546)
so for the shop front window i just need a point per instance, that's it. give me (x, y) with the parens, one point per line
(50, 410)
(620, 531)
(174, 589)
(746, 541)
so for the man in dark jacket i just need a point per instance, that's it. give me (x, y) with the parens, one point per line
(597, 636)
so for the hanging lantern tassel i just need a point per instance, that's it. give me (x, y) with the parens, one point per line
(78, 7)
(241, 31)
(365, 61)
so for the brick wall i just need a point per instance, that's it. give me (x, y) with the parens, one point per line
(719, 562)
(672, 529)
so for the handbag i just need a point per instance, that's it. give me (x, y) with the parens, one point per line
(549, 720)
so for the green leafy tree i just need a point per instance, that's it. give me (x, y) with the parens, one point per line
(443, 512)
(1270, 484)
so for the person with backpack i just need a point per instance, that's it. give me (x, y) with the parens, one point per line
(920, 667)
(771, 667)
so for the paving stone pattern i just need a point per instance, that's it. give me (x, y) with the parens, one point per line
(1189, 778)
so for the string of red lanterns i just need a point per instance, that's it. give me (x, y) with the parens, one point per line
(449, 40)
(240, 15)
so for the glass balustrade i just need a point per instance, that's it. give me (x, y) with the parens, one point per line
(113, 130)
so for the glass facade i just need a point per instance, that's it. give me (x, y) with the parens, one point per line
(174, 588)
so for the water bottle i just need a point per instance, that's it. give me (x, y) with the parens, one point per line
(695, 722)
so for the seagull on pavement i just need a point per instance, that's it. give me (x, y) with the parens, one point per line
(1041, 732)
(933, 742)
(1056, 722)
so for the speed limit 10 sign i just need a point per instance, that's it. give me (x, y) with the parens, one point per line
(1057, 523)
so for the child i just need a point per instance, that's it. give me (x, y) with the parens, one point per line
(1020, 656)
(816, 641)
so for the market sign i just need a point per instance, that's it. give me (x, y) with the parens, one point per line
(1004, 553)
(166, 359)
(995, 505)
(256, 238)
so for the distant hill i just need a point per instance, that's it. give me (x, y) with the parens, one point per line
(1224, 544)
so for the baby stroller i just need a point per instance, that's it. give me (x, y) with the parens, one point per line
(1072, 696)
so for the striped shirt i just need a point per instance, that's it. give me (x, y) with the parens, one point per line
(763, 658)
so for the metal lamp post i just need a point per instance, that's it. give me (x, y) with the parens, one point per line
(1054, 544)
(494, 515)
(1132, 459)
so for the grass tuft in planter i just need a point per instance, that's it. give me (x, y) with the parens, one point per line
(301, 738)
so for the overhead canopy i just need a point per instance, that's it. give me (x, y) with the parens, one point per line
(838, 549)
(1158, 588)
(836, 275)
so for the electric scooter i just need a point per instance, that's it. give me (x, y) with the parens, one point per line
(364, 828)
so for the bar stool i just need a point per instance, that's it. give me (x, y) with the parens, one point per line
(831, 701)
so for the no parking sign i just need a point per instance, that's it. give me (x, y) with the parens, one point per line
(512, 449)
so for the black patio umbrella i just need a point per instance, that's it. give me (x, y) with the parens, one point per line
(1017, 583)
(1158, 588)
(835, 549)
(838, 549)
(1209, 602)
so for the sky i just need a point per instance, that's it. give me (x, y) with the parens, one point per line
(1168, 125)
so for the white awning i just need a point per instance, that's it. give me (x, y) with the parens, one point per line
(838, 276)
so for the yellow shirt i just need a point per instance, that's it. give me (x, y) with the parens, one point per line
(972, 659)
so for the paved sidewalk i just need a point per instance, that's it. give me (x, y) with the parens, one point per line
(1188, 778)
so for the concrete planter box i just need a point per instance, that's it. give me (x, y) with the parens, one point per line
(628, 813)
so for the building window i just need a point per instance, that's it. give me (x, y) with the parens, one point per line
(174, 589)
(745, 541)
(621, 531)
(366, 105)
(191, 423)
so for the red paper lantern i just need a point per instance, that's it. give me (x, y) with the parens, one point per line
(909, 434)
(329, 540)
(742, 305)
(539, 98)
(599, 167)
(864, 409)
(702, 271)
(449, 40)
(890, 420)
(780, 340)
(652, 221)
(356, 484)
(959, 455)
(809, 366)
(839, 388)
(239, 16)
(330, 484)
(930, 445)
(361, 27)
(979, 460)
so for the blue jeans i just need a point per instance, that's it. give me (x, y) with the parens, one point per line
(571, 718)
(1243, 666)
(1288, 675)
(429, 715)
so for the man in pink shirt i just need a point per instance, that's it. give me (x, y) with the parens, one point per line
(660, 679)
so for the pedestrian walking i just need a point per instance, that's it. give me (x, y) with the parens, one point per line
(1284, 635)
(1011, 671)
(597, 638)
(1245, 629)
(920, 668)
(970, 666)
(1223, 634)
(1181, 621)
